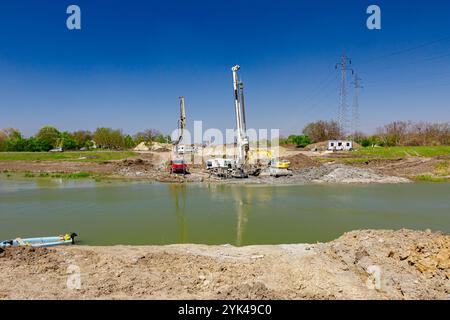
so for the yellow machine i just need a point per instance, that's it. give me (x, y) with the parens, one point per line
(280, 164)
(275, 163)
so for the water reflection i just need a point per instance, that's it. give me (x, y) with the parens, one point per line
(178, 194)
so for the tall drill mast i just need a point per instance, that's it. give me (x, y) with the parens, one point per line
(242, 139)
(181, 121)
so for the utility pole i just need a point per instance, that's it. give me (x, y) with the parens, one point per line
(343, 106)
(355, 108)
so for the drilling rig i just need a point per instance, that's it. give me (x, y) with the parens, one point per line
(178, 164)
(240, 167)
(241, 126)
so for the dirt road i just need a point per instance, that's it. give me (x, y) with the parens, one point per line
(359, 265)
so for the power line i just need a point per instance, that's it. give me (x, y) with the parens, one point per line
(406, 50)
(355, 107)
(319, 88)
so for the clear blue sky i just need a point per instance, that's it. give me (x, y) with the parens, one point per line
(132, 59)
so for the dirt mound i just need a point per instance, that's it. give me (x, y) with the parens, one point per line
(319, 146)
(367, 264)
(300, 161)
(404, 264)
(134, 163)
(347, 174)
(404, 167)
(135, 167)
(340, 173)
(41, 259)
(154, 146)
(254, 290)
(431, 257)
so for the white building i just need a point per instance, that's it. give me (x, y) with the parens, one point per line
(340, 145)
(183, 149)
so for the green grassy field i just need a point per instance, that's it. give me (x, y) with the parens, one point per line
(84, 156)
(399, 152)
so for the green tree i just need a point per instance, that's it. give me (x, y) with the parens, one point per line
(148, 136)
(12, 133)
(83, 138)
(49, 136)
(67, 141)
(109, 138)
(129, 142)
(300, 141)
(160, 138)
(3, 139)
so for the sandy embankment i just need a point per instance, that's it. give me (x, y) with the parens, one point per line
(359, 265)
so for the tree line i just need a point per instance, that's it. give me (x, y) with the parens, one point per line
(396, 133)
(48, 138)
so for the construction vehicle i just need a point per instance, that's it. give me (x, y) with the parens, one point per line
(178, 163)
(241, 167)
(178, 166)
(241, 126)
(279, 168)
(227, 167)
(276, 167)
(181, 124)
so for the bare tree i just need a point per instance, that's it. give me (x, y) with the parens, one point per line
(322, 130)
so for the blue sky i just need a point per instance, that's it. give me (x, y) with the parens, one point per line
(132, 59)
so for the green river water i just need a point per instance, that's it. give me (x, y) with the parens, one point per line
(150, 213)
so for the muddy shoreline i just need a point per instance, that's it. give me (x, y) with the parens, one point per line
(141, 169)
(366, 264)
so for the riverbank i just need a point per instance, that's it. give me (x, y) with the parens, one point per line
(367, 264)
(138, 169)
(307, 167)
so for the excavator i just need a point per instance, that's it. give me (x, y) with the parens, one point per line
(276, 167)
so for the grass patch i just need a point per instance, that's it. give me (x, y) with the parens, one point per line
(78, 175)
(85, 156)
(428, 178)
(75, 175)
(443, 168)
(396, 152)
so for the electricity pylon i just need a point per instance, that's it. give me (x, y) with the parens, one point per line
(343, 106)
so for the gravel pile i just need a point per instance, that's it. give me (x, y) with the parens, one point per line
(346, 174)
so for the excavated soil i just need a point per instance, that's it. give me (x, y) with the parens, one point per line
(368, 264)
(403, 167)
(300, 161)
(153, 166)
